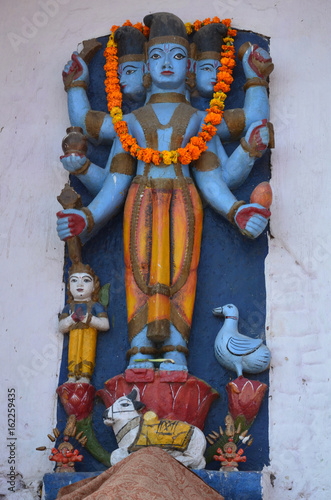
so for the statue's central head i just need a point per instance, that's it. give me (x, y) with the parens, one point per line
(167, 50)
(167, 64)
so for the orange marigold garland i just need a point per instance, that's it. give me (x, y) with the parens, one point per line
(196, 145)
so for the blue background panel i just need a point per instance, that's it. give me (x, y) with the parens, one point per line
(231, 270)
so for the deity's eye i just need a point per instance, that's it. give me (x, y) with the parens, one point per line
(130, 71)
(73, 280)
(179, 56)
(125, 404)
(155, 56)
(87, 280)
(206, 68)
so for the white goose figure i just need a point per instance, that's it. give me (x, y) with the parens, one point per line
(235, 351)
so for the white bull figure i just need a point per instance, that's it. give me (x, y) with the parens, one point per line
(133, 431)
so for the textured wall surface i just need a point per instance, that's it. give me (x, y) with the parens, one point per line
(36, 39)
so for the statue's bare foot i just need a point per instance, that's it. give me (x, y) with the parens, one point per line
(84, 380)
(136, 363)
(71, 380)
(168, 366)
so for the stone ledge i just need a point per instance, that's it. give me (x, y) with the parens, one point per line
(232, 485)
(238, 485)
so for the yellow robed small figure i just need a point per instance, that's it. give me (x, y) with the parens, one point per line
(83, 317)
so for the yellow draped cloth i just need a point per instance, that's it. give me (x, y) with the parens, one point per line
(81, 355)
(164, 433)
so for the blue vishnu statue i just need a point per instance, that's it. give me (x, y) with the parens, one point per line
(163, 210)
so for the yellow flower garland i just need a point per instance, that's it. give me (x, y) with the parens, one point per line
(197, 144)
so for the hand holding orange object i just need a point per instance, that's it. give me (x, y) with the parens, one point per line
(262, 195)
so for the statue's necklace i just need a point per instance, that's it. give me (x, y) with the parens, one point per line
(197, 144)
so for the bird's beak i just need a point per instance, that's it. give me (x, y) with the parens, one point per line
(218, 311)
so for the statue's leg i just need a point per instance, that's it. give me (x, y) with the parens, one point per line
(186, 229)
(73, 355)
(88, 348)
(141, 349)
(174, 348)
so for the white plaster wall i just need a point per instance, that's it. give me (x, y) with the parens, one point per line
(32, 123)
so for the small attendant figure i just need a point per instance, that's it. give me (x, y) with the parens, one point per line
(230, 456)
(65, 457)
(83, 317)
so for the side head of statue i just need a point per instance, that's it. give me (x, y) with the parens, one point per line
(131, 61)
(208, 43)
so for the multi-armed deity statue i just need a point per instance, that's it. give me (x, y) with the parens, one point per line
(166, 158)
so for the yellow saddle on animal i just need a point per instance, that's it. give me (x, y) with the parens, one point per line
(164, 433)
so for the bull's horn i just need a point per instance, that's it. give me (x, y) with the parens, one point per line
(132, 395)
(138, 405)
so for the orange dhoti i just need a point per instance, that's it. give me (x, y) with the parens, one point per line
(162, 236)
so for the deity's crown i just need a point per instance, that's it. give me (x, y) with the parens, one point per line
(130, 44)
(208, 41)
(166, 28)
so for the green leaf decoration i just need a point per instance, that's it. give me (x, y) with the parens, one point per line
(104, 295)
(212, 449)
(93, 445)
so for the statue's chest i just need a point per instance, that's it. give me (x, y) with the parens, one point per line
(164, 125)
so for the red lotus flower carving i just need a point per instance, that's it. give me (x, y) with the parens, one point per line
(77, 399)
(188, 402)
(245, 397)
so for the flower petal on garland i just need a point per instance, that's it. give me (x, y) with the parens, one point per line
(197, 25)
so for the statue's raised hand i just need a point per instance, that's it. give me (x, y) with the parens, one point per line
(79, 315)
(75, 70)
(256, 61)
(71, 223)
(252, 219)
(257, 138)
(73, 162)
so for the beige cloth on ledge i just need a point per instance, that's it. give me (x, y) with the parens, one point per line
(147, 474)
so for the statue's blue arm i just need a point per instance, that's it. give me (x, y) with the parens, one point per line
(256, 103)
(104, 206)
(97, 125)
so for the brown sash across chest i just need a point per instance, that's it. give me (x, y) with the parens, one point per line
(162, 232)
(150, 124)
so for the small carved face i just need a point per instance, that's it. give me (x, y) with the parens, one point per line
(167, 64)
(206, 76)
(131, 79)
(81, 286)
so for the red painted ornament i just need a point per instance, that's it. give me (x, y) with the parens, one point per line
(186, 401)
(245, 397)
(77, 399)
